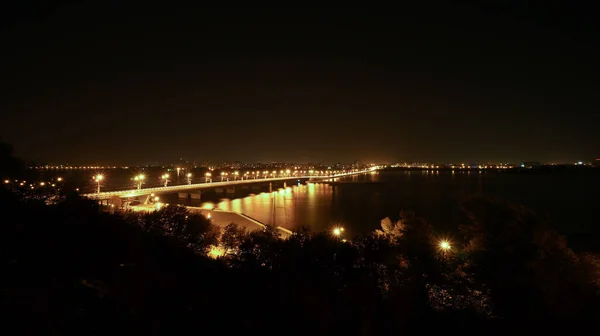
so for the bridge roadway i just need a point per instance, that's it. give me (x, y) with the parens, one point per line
(196, 186)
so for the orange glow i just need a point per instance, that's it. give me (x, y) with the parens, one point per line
(444, 245)
(337, 231)
(216, 252)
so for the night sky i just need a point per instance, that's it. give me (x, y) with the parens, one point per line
(99, 83)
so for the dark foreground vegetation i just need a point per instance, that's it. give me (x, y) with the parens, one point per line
(71, 268)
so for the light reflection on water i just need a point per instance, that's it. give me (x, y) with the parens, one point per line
(568, 199)
(289, 207)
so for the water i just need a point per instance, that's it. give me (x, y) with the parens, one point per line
(568, 200)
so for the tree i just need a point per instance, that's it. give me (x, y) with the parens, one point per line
(194, 230)
(261, 247)
(232, 237)
(528, 267)
(10, 166)
(390, 230)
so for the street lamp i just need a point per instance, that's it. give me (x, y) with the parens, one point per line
(337, 231)
(165, 178)
(444, 245)
(139, 180)
(235, 175)
(98, 178)
(207, 177)
(189, 178)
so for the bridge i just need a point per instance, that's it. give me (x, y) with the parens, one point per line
(198, 186)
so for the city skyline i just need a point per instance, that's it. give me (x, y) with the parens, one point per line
(437, 83)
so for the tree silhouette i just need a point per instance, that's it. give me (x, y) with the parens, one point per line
(530, 271)
(10, 166)
(232, 237)
(193, 230)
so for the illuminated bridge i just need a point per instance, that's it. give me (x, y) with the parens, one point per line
(198, 186)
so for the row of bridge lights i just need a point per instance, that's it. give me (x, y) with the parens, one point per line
(266, 174)
(141, 178)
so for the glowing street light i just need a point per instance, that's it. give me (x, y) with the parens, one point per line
(444, 246)
(223, 174)
(207, 177)
(59, 179)
(189, 178)
(235, 175)
(139, 179)
(337, 231)
(98, 178)
(165, 178)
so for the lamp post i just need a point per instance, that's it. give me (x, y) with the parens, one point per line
(165, 178)
(98, 178)
(139, 180)
(189, 178)
(207, 177)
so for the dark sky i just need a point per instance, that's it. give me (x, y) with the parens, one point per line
(499, 81)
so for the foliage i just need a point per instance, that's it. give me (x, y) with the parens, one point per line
(73, 269)
(232, 237)
(530, 271)
(390, 230)
(194, 230)
(10, 166)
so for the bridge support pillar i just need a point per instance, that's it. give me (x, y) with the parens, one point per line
(270, 186)
(284, 185)
(183, 195)
(230, 190)
(196, 195)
